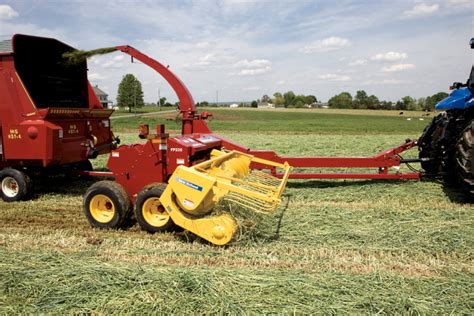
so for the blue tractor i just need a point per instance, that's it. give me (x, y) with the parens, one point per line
(447, 144)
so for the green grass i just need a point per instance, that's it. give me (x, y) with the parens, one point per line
(293, 121)
(401, 247)
(142, 110)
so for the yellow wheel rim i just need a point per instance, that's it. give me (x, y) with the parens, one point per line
(154, 213)
(102, 208)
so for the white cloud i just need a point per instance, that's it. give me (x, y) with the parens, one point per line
(358, 62)
(335, 77)
(206, 60)
(255, 63)
(389, 57)
(94, 59)
(461, 2)
(383, 82)
(281, 82)
(254, 88)
(210, 59)
(398, 67)
(238, 6)
(7, 12)
(253, 72)
(8, 28)
(112, 64)
(421, 9)
(253, 67)
(95, 76)
(326, 45)
(115, 62)
(202, 45)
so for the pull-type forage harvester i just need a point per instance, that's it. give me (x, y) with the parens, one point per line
(50, 118)
(201, 168)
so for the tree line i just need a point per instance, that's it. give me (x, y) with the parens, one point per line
(344, 100)
(361, 100)
(130, 94)
(290, 100)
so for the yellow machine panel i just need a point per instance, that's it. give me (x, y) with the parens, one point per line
(192, 193)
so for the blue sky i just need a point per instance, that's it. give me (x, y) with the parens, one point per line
(247, 48)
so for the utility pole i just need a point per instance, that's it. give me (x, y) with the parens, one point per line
(159, 99)
(135, 97)
(217, 97)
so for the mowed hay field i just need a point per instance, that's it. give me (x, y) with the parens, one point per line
(333, 247)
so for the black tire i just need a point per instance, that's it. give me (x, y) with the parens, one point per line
(149, 213)
(464, 160)
(106, 205)
(14, 185)
(428, 147)
(84, 165)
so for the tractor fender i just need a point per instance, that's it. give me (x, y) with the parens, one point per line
(459, 99)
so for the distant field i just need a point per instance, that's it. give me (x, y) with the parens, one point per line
(145, 109)
(358, 247)
(323, 121)
(331, 111)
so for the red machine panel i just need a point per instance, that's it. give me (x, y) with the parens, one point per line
(26, 143)
(49, 114)
(190, 149)
(135, 166)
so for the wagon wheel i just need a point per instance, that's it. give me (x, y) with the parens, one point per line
(150, 213)
(15, 185)
(84, 165)
(106, 205)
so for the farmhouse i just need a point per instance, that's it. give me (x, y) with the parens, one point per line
(103, 97)
(265, 103)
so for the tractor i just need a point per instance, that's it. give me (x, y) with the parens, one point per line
(446, 147)
(51, 121)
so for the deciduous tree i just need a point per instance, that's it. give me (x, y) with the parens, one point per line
(289, 98)
(130, 93)
(341, 101)
(361, 100)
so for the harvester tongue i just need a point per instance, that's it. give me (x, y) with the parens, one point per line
(192, 193)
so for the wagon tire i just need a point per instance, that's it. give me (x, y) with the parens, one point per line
(84, 165)
(150, 213)
(15, 185)
(106, 205)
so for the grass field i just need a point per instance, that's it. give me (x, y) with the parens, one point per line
(320, 121)
(333, 247)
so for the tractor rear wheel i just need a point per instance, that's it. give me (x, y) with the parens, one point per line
(15, 185)
(428, 145)
(464, 160)
(106, 205)
(150, 213)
